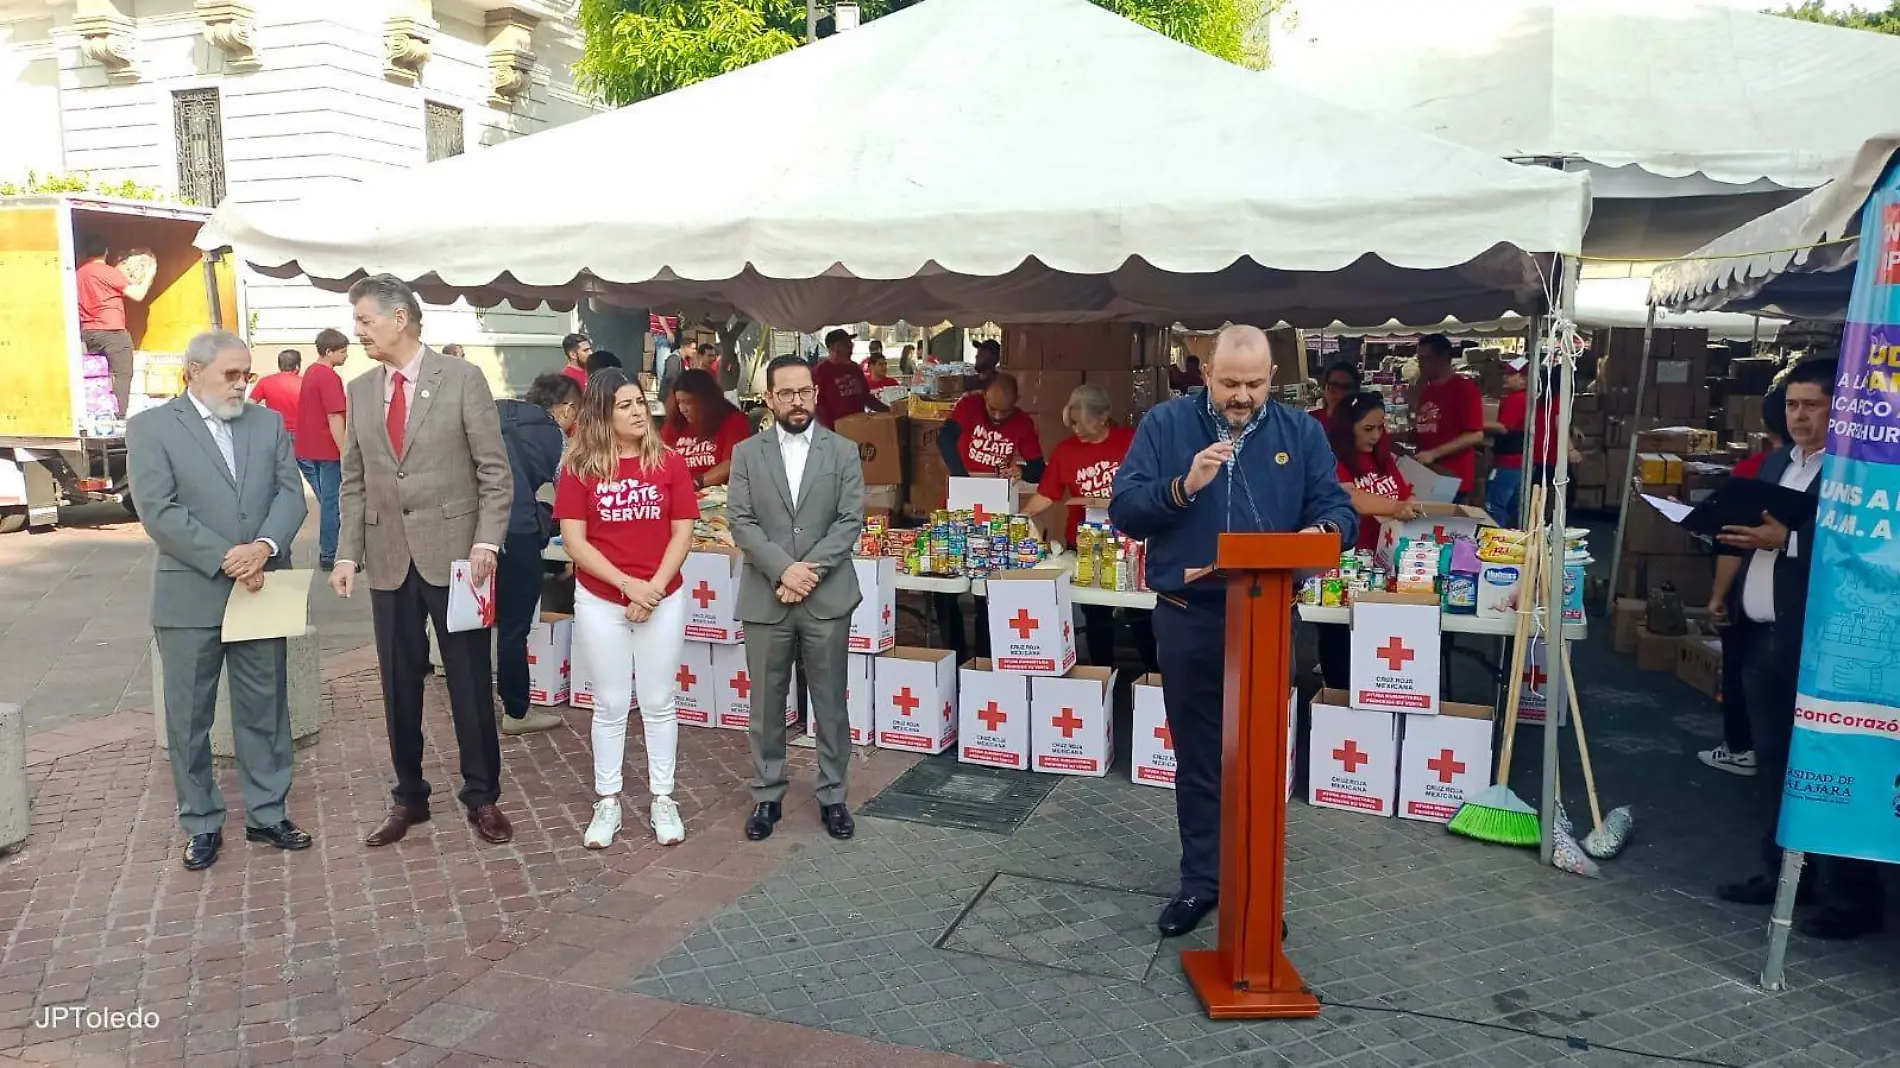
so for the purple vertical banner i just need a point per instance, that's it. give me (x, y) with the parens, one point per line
(1842, 793)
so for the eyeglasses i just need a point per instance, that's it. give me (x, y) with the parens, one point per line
(788, 396)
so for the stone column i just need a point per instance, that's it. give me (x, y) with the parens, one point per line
(303, 668)
(15, 819)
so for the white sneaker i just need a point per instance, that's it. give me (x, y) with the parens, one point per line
(1721, 759)
(668, 828)
(606, 824)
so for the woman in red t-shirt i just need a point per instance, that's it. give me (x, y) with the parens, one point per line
(1369, 474)
(626, 506)
(1082, 467)
(703, 427)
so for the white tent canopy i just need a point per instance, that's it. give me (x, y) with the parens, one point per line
(1797, 261)
(1601, 302)
(1078, 167)
(1691, 119)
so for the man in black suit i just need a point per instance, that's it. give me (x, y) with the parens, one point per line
(1767, 624)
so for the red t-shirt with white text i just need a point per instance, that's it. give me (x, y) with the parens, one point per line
(842, 390)
(1370, 479)
(630, 519)
(1080, 468)
(704, 454)
(987, 446)
(1447, 410)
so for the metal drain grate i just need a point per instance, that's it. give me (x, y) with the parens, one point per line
(1054, 923)
(943, 793)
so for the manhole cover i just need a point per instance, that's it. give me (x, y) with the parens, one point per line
(1074, 927)
(944, 793)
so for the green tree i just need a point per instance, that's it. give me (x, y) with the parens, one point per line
(635, 49)
(80, 183)
(1854, 17)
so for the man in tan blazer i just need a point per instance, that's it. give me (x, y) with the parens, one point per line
(425, 483)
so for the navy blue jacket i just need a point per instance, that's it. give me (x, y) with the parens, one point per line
(1285, 480)
(534, 442)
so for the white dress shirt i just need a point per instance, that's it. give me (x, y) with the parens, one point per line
(227, 446)
(1758, 583)
(796, 449)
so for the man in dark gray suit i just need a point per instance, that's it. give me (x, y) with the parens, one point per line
(796, 505)
(217, 488)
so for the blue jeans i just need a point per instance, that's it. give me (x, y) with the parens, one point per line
(1501, 492)
(326, 479)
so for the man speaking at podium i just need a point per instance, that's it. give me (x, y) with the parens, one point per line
(1217, 460)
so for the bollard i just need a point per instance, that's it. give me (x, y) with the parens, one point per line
(15, 820)
(303, 687)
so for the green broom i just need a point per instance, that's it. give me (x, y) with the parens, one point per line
(1495, 814)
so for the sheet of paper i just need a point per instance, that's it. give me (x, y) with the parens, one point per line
(281, 609)
(471, 606)
(1674, 511)
(1427, 484)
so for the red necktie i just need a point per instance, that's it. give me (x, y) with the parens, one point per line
(398, 416)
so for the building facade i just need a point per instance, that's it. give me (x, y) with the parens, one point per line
(272, 100)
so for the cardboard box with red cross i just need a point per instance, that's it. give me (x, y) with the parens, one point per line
(1440, 522)
(1032, 626)
(858, 674)
(1443, 759)
(1532, 709)
(1072, 722)
(1151, 742)
(733, 690)
(874, 620)
(1395, 653)
(710, 580)
(1352, 757)
(550, 659)
(993, 716)
(697, 700)
(915, 699)
(986, 496)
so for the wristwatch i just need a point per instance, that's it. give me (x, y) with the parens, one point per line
(1328, 526)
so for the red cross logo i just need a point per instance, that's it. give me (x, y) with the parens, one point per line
(1350, 757)
(685, 678)
(1535, 676)
(1068, 722)
(1165, 737)
(703, 593)
(1395, 654)
(533, 659)
(887, 613)
(742, 685)
(946, 712)
(980, 513)
(906, 703)
(1023, 623)
(1446, 764)
(991, 716)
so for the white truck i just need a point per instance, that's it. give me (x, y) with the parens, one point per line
(52, 451)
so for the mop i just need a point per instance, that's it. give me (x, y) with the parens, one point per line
(1612, 832)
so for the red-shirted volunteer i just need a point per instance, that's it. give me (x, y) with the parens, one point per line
(1082, 467)
(1369, 474)
(986, 434)
(1447, 414)
(626, 506)
(703, 427)
(842, 388)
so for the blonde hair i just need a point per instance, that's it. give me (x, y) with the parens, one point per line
(594, 452)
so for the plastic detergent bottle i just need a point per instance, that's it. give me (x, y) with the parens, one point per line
(1461, 579)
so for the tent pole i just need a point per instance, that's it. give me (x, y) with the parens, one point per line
(1556, 650)
(811, 21)
(1534, 352)
(1772, 976)
(1629, 469)
(1754, 343)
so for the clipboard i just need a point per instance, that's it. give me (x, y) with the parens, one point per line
(1739, 502)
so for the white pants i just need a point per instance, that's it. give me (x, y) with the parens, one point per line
(618, 655)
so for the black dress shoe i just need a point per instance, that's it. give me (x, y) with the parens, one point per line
(1839, 925)
(1760, 890)
(758, 826)
(838, 821)
(1184, 914)
(284, 835)
(202, 851)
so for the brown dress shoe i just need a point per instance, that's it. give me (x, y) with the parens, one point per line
(396, 825)
(491, 824)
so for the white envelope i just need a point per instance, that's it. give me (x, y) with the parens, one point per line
(471, 607)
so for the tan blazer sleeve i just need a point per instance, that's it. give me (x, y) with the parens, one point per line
(352, 493)
(494, 481)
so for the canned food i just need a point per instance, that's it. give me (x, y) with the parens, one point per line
(1332, 592)
(1309, 590)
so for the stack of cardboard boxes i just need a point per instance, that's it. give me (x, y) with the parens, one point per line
(1049, 360)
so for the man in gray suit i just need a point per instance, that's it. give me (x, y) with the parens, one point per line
(425, 483)
(217, 489)
(796, 505)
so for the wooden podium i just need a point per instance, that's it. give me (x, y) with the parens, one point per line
(1249, 976)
